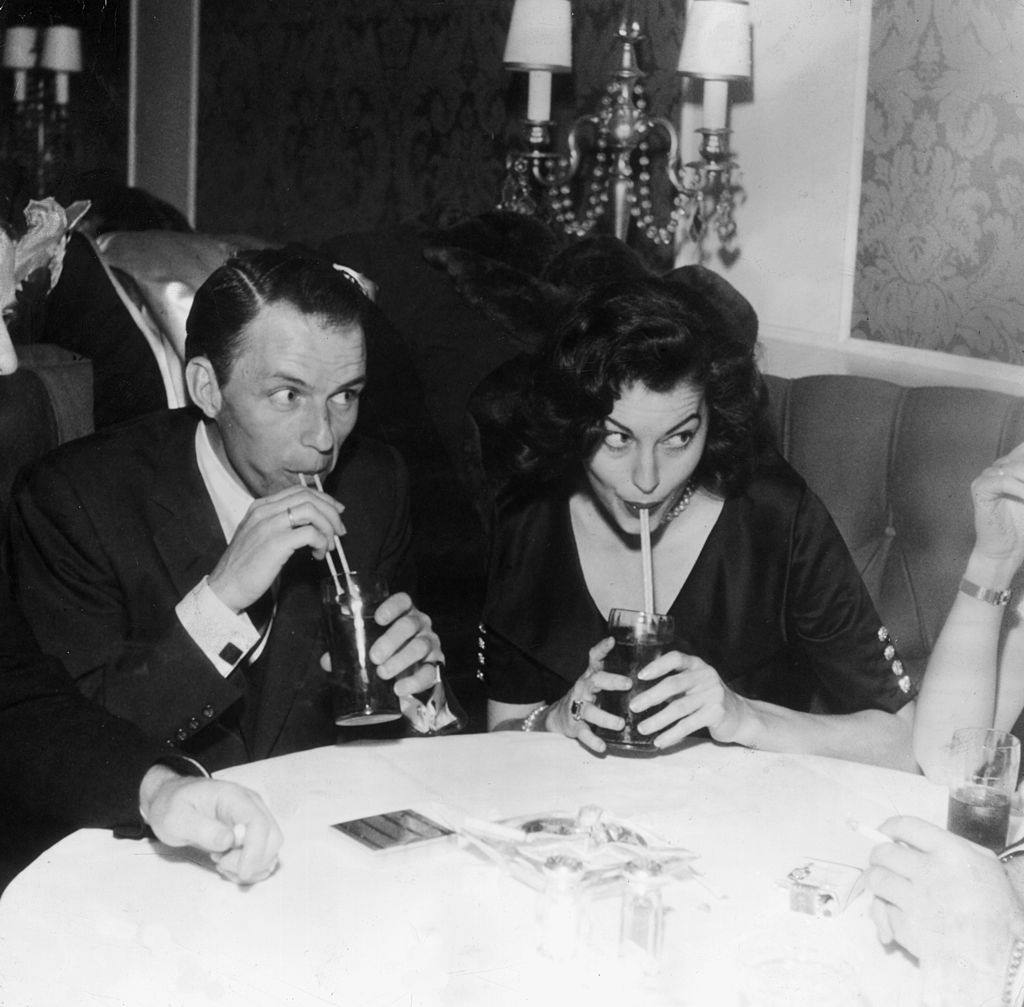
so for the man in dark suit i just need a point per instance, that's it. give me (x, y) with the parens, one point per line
(67, 763)
(173, 563)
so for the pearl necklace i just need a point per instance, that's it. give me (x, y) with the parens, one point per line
(683, 503)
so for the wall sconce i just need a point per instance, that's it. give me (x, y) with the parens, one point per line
(39, 134)
(716, 49)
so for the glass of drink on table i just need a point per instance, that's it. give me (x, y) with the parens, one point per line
(360, 695)
(639, 637)
(983, 777)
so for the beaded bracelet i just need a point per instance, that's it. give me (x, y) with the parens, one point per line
(530, 721)
(1012, 990)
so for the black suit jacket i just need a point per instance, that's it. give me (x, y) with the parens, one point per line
(64, 761)
(108, 533)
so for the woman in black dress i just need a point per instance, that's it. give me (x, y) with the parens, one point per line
(649, 397)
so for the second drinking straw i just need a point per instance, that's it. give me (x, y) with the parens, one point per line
(645, 559)
(352, 590)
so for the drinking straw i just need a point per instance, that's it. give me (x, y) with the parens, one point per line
(645, 559)
(352, 591)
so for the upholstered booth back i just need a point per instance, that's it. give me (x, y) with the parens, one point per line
(47, 401)
(894, 466)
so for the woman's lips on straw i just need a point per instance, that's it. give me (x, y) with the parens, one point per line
(636, 508)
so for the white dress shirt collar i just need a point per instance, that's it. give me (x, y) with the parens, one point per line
(230, 499)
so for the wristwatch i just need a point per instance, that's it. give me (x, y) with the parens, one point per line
(987, 594)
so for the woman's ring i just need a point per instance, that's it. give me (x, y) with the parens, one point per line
(1000, 473)
(576, 709)
(291, 518)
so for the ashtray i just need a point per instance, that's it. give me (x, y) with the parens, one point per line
(603, 844)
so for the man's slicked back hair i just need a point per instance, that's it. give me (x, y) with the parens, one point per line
(235, 293)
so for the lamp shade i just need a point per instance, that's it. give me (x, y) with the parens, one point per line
(716, 40)
(62, 49)
(20, 48)
(540, 36)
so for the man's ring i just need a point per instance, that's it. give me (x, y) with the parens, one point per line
(291, 518)
(576, 709)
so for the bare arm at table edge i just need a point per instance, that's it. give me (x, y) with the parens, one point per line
(975, 675)
(871, 736)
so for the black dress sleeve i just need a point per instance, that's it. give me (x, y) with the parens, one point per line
(832, 621)
(538, 621)
(511, 675)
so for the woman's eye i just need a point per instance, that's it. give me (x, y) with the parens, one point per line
(680, 439)
(615, 439)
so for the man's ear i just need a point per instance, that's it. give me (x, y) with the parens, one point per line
(203, 386)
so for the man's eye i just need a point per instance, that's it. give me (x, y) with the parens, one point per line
(284, 397)
(346, 397)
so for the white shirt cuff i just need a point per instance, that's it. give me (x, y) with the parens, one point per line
(224, 636)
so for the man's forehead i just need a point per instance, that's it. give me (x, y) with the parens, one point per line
(282, 339)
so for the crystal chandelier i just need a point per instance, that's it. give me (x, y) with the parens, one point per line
(613, 146)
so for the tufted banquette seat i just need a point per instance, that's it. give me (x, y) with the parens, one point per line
(894, 466)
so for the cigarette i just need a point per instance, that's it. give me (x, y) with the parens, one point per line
(867, 832)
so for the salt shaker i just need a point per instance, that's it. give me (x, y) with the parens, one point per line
(642, 920)
(560, 909)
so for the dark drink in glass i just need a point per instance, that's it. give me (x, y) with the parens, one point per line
(359, 695)
(984, 765)
(980, 814)
(640, 637)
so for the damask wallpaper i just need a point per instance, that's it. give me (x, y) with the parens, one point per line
(940, 262)
(320, 116)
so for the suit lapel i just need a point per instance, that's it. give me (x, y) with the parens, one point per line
(186, 531)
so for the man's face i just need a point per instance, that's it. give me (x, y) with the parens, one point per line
(290, 400)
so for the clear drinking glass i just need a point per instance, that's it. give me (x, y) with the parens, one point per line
(360, 695)
(983, 777)
(639, 637)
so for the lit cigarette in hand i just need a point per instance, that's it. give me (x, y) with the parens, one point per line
(867, 832)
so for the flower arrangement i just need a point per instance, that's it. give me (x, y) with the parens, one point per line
(38, 253)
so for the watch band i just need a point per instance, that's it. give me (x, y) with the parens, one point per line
(986, 594)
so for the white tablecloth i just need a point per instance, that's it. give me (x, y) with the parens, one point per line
(117, 922)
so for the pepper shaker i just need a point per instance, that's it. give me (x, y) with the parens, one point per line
(560, 908)
(643, 915)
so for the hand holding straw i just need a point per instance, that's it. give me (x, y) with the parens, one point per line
(645, 559)
(352, 590)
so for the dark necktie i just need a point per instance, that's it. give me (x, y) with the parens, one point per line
(260, 611)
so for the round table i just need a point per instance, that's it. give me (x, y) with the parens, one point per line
(97, 920)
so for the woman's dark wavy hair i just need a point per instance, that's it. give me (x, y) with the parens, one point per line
(235, 293)
(656, 332)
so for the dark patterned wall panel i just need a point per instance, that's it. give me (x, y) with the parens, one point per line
(318, 117)
(941, 244)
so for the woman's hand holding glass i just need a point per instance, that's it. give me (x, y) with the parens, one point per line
(694, 696)
(573, 714)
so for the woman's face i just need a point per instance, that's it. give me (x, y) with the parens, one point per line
(652, 444)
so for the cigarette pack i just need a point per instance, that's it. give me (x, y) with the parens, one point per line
(821, 888)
